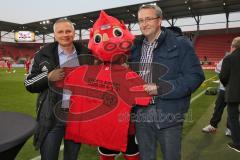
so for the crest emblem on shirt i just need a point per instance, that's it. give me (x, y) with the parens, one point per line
(44, 69)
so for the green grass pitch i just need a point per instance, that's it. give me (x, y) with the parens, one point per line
(196, 145)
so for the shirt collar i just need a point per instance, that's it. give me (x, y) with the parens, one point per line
(61, 51)
(145, 41)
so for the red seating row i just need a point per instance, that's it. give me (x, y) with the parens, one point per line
(18, 50)
(213, 47)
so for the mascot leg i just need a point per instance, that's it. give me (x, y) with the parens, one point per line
(132, 157)
(132, 152)
(106, 154)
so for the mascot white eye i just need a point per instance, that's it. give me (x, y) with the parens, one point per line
(117, 32)
(97, 38)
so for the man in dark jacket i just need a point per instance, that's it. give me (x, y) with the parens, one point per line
(47, 68)
(230, 78)
(168, 63)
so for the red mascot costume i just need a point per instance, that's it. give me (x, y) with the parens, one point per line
(109, 40)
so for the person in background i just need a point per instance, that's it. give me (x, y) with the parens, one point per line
(220, 104)
(27, 65)
(230, 78)
(9, 66)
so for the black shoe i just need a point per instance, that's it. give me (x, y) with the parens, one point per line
(235, 147)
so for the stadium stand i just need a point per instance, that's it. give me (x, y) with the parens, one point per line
(213, 47)
(18, 51)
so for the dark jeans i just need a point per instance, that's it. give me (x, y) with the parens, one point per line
(233, 114)
(220, 104)
(148, 135)
(51, 145)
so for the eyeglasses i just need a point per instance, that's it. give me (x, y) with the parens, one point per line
(146, 20)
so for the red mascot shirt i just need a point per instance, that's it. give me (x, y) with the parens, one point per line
(101, 101)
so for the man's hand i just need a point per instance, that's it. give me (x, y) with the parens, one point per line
(56, 75)
(151, 89)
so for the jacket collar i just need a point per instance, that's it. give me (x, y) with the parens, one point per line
(166, 36)
(169, 38)
(51, 51)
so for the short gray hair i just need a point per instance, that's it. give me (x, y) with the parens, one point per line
(236, 42)
(62, 20)
(152, 6)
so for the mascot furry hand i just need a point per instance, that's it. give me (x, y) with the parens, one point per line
(102, 95)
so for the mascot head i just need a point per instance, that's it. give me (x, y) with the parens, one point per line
(109, 38)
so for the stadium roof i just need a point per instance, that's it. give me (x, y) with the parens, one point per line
(172, 9)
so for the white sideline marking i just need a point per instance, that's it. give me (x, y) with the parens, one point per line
(209, 79)
(197, 96)
(201, 93)
(192, 100)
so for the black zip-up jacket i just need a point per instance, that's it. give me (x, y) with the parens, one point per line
(44, 62)
(230, 76)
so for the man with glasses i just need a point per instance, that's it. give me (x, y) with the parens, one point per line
(172, 71)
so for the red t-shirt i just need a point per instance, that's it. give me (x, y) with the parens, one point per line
(101, 101)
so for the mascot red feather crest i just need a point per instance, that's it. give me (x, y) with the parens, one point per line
(109, 38)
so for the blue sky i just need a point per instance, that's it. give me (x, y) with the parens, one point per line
(25, 11)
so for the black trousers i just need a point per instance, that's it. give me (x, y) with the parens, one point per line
(233, 114)
(51, 146)
(220, 104)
